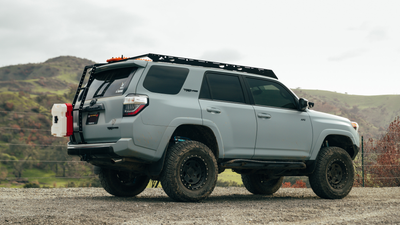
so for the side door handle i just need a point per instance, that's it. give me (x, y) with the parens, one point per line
(264, 115)
(213, 110)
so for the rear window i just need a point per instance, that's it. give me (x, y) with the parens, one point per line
(110, 83)
(165, 80)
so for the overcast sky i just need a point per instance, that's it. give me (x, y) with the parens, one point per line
(343, 46)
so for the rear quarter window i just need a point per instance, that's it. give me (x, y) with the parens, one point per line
(165, 79)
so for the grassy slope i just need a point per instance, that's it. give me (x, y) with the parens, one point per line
(390, 102)
(53, 77)
(373, 113)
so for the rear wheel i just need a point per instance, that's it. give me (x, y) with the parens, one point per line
(190, 172)
(121, 183)
(260, 184)
(333, 176)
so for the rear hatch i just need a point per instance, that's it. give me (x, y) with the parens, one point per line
(103, 108)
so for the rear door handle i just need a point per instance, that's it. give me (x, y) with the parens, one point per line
(213, 110)
(264, 116)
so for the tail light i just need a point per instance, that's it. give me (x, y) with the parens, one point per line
(134, 104)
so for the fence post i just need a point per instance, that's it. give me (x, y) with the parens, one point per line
(362, 160)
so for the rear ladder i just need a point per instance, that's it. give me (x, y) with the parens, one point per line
(77, 136)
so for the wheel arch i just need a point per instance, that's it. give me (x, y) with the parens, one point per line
(193, 132)
(342, 140)
(201, 134)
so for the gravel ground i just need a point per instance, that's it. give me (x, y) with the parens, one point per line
(224, 206)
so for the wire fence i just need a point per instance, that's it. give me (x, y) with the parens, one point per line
(14, 128)
(17, 112)
(369, 170)
(378, 164)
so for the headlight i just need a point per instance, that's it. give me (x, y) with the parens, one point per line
(355, 126)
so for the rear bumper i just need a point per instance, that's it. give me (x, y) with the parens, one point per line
(96, 151)
(123, 148)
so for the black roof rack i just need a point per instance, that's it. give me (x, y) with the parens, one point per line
(204, 63)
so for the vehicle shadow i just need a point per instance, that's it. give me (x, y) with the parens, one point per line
(210, 199)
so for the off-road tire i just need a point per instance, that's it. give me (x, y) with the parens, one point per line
(333, 176)
(121, 183)
(190, 172)
(259, 184)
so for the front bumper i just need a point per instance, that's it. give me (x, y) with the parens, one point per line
(356, 150)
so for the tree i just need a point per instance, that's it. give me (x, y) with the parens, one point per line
(3, 173)
(24, 153)
(386, 170)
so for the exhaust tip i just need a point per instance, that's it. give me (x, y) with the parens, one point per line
(113, 161)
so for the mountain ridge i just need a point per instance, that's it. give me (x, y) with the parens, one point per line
(60, 76)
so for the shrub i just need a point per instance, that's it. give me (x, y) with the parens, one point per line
(31, 185)
(298, 184)
(9, 106)
(95, 182)
(286, 185)
(70, 184)
(221, 183)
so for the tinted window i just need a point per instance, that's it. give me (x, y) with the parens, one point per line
(205, 90)
(269, 93)
(225, 88)
(110, 83)
(165, 80)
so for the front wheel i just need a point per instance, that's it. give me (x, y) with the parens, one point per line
(260, 184)
(190, 172)
(121, 183)
(333, 176)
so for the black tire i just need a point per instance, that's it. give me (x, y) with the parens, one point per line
(259, 184)
(333, 176)
(121, 183)
(190, 172)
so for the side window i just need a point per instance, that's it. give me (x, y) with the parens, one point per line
(165, 80)
(222, 87)
(205, 90)
(267, 93)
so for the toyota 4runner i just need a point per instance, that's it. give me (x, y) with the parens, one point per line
(182, 122)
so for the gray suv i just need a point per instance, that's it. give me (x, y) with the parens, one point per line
(183, 121)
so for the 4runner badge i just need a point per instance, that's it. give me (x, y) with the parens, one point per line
(190, 90)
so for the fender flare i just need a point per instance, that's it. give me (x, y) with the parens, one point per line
(325, 133)
(155, 168)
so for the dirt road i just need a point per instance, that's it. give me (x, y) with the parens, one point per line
(224, 206)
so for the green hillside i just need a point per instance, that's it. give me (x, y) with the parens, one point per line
(373, 113)
(28, 153)
(53, 76)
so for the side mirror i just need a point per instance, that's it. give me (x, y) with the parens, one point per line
(304, 104)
